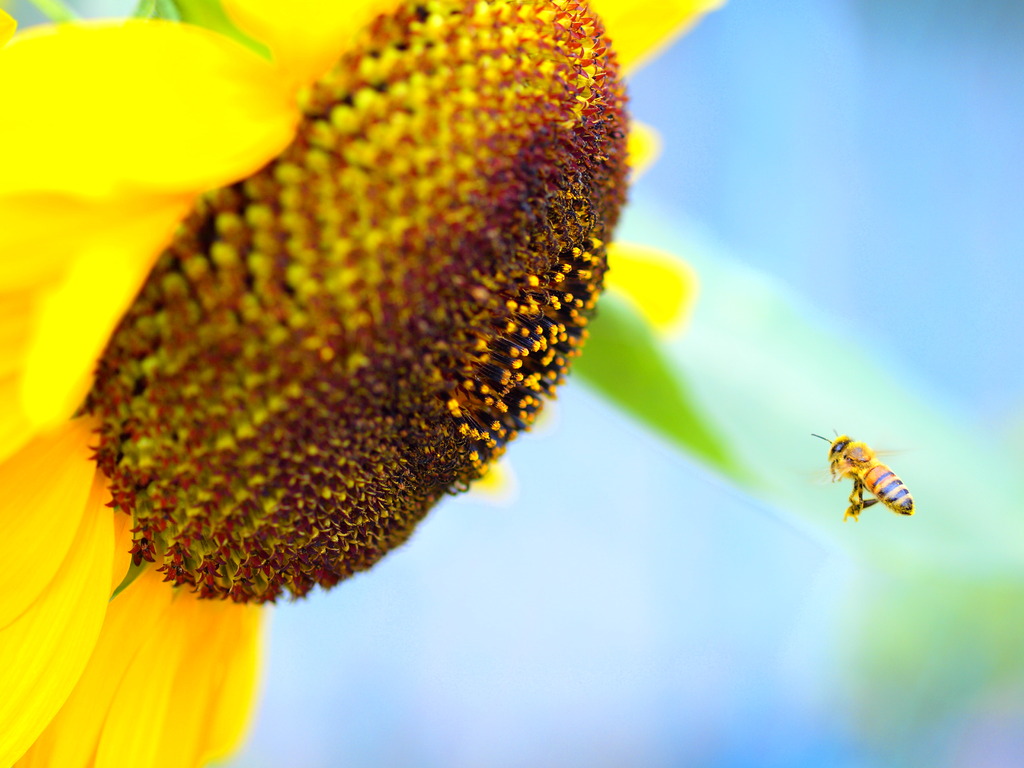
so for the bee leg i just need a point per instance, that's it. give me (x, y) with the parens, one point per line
(856, 501)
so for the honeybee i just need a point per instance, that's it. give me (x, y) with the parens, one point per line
(852, 459)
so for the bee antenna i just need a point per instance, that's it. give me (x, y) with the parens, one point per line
(823, 438)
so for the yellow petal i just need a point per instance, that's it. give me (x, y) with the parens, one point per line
(220, 676)
(132, 619)
(118, 127)
(46, 648)
(661, 286)
(102, 108)
(305, 37)
(15, 329)
(498, 486)
(74, 316)
(7, 27)
(644, 148)
(15, 323)
(168, 672)
(45, 489)
(91, 258)
(144, 692)
(122, 548)
(639, 28)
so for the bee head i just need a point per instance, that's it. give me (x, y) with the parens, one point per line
(838, 445)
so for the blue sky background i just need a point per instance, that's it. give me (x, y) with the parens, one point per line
(869, 154)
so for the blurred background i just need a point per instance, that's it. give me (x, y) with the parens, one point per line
(626, 606)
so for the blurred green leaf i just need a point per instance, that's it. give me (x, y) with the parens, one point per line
(625, 361)
(55, 10)
(157, 9)
(211, 15)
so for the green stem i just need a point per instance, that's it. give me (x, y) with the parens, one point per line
(55, 10)
(157, 9)
(146, 9)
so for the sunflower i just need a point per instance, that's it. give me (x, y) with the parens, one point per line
(267, 294)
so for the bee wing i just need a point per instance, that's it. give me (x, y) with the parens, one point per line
(819, 476)
(891, 452)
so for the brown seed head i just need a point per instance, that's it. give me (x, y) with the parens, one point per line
(330, 346)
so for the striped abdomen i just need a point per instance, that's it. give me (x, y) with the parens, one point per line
(889, 489)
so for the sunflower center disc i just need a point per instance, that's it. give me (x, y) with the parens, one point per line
(328, 347)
